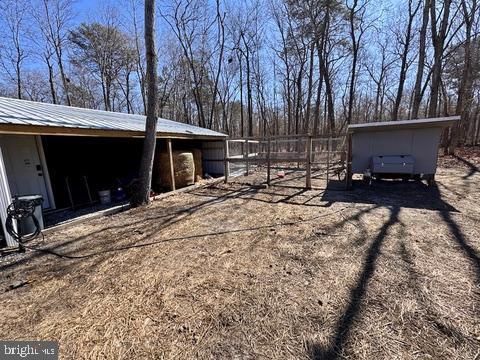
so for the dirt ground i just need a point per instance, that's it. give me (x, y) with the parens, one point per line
(390, 271)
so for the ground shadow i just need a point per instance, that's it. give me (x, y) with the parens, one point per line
(411, 194)
(459, 237)
(357, 295)
(414, 283)
(165, 217)
(472, 168)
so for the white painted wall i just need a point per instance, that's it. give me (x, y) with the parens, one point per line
(212, 156)
(24, 168)
(421, 143)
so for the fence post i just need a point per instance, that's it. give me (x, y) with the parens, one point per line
(268, 161)
(309, 163)
(248, 153)
(226, 168)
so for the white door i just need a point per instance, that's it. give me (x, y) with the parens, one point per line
(24, 169)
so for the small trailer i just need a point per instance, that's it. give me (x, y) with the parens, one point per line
(400, 149)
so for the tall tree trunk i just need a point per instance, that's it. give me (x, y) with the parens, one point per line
(143, 195)
(18, 70)
(438, 39)
(242, 121)
(249, 96)
(221, 29)
(404, 64)
(465, 87)
(318, 100)
(417, 92)
(140, 70)
(310, 88)
(64, 78)
(127, 92)
(353, 71)
(298, 105)
(51, 79)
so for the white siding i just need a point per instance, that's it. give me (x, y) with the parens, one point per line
(5, 200)
(212, 155)
(421, 143)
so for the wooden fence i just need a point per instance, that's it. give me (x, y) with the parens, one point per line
(327, 154)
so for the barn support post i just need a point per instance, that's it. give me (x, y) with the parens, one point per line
(226, 168)
(309, 163)
(170, 161)
(268, 161)
(348, 178)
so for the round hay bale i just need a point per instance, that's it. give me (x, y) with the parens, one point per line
(183, 169)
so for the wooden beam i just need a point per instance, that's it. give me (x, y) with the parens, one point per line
(170, 161)
(264, 160)
(226, 169)
(19, 129)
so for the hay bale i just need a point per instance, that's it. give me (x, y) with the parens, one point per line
(183, 169)
(197, 159)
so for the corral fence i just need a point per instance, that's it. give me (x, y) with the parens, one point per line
(325, 154)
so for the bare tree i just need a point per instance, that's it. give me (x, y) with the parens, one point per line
(439, 35)
(54, 18)
(417, 92)
(405, 43)
(13, 51)
(139, 58)
(105, 51)
(146, 165)
(357, 28)
(378, 72)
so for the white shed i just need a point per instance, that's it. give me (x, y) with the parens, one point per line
(415, 140)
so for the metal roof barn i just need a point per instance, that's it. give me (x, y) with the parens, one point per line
(406, 144)
(71, 156)
(28, 117)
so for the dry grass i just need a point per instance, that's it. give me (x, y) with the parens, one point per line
(235, 271)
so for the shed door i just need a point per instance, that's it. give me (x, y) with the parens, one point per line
(24, 169)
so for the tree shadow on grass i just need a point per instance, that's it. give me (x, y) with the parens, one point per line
(165, 219)
(468, 250)
(390, 193)
(357, 294)
(457, 335)
(472, 168)
(459, 237)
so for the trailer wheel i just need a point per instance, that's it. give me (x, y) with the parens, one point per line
(431, 180)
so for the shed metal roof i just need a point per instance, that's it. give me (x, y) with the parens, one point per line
(25, 116)
(403, 124)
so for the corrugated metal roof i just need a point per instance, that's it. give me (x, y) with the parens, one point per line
(24, 112)
(417, 123)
